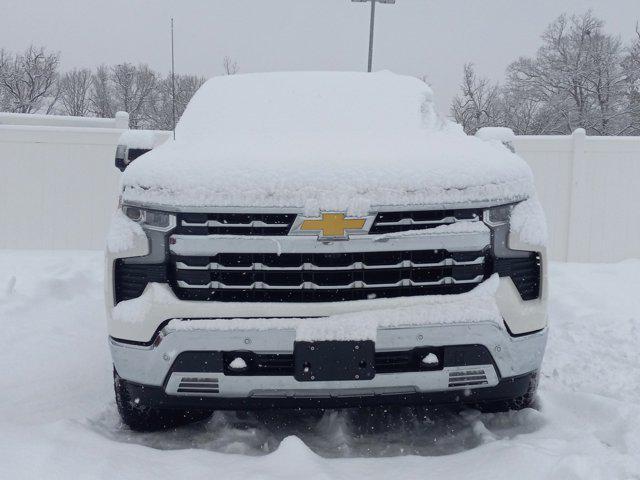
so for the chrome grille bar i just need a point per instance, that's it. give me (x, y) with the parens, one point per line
(209, 245)
(216, 223)
(411, 221)
(406, 282)
(447, 262)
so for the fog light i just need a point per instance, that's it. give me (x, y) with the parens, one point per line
(238, 364)
(430, 359)
(133, 213)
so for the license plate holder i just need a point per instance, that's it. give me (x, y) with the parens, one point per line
(329, 360)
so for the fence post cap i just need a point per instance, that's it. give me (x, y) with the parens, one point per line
(122, 120)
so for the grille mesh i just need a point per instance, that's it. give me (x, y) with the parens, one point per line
(326, 277)
(259, 224)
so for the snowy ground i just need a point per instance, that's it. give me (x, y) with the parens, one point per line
(58, 418)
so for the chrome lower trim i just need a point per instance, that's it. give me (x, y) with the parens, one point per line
(406, 282)
(209, 245)
(447, 262)
(287, 386)
(149, 365)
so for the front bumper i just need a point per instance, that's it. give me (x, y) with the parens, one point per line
(506, 389)
(153, 366)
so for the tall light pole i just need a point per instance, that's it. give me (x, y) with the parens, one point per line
(371, 24)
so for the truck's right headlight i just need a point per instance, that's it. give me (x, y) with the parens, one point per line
(499, 215)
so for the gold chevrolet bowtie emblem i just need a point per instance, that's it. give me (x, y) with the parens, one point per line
(333, 225)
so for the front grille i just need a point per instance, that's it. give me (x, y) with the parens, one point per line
(261, 224)
(391, 222)
(234, 223)
(317, 277)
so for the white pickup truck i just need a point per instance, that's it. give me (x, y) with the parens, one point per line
(323, 240)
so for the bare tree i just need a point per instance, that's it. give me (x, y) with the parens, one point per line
(160, 115)
(230, 66)
(75, 88)
(4, 69)
(575, 79)
(478, 104)
(29, 80)
(133, 89)
(631, 67)
(101, 94)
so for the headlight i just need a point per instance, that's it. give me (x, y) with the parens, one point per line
(151, 219)
(522, 266)
(499, 215)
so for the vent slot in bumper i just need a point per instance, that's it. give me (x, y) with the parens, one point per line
(130, 279)
(525, 273)
(468, 378)
(198, 385)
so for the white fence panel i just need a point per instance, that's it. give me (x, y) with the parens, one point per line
(588, 187)
(58, 184)
(550, 159)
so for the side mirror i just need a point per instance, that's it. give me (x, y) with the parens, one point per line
(126, 155)
(501, 134)
(133, 143)
(121, 155)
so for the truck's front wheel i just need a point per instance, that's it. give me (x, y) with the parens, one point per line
(142, 418)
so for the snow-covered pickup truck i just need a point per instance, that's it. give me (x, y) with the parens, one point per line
(319, 240)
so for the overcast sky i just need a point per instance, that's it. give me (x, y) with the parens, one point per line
(418, 37)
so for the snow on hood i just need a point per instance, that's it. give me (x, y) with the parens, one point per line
(322, 141)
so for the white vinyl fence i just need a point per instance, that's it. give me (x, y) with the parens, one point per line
(58, 186)
(58, 183)
(590, 190)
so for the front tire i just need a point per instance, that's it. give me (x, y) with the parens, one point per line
(142, 418)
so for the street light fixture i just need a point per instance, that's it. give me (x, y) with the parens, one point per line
(371, 22)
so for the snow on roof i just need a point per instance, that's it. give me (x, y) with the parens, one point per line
(322, 141)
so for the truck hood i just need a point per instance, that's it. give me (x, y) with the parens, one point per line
(322, 141)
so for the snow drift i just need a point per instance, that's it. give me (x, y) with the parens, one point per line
(322, 141)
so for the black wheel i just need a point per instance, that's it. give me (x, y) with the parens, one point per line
(142, 418)
(517, 403)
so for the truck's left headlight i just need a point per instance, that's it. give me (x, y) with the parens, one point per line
(151, 219)
(523, 266)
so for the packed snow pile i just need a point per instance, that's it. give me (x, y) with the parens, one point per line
(58, 418)
(322, 141)
(122, 233)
